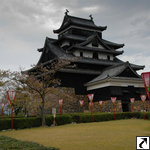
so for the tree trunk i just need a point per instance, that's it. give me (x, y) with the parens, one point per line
(43, 115)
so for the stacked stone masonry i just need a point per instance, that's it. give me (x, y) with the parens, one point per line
(72, 105)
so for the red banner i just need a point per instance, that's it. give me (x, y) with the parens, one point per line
(90, 96)
(132, 100)
(81, 102)
(100, 103)
(146, 80)
(143, 98)
(60, 102)
(113, 99)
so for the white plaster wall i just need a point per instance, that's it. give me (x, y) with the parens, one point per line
(111, 57)
(99, 46)
(102, 56)
(76, 53)
(97, 86)
(89, 54)
(115, 83)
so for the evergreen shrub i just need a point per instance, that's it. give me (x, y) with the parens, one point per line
(97, 117)
(76, 117)
(5, 124)
(7, 143)
(49, 120)
(147, 115)
(63, 119)
(29, 122)
(60, 119)
(85, 118)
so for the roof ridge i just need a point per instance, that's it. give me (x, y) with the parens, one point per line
(78, 18)
(114, 66)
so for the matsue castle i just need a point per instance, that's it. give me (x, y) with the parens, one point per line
(99, 70)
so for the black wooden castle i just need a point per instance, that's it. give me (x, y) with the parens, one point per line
(98, 70)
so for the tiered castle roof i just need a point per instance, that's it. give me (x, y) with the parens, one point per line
(81, 38)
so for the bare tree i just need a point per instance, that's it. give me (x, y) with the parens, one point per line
(38, 83)
(42, 80)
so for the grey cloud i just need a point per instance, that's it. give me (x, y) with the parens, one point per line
(25, 24)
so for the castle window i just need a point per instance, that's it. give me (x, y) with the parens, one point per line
(108, 57)
(95, 44)
(81, 54)
(95, 55)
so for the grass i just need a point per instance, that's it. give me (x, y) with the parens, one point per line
(111, 135)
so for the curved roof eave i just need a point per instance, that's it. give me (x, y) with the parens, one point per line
(113, 72)
(96, 49)
(127, 64)
(115, 45)
(68, 37)
(107, 79)
(101, 28)
(137, 67)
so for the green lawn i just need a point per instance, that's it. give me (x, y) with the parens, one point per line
(111, 135)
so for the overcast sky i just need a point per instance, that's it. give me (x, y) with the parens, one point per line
(24, 25)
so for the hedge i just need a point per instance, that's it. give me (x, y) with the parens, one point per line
(98, 117)
(60, 119)
(29, 122)
(20, 123)
(7, 143)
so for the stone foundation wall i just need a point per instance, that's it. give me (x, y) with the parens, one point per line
(138, 106)
(71, 105)
(107, 106)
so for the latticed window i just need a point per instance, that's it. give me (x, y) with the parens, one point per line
(95, 43)
(95, 55)
(81, 54)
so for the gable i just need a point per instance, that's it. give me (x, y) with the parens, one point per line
(46, 55)
(128, 72)
(96, 44)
